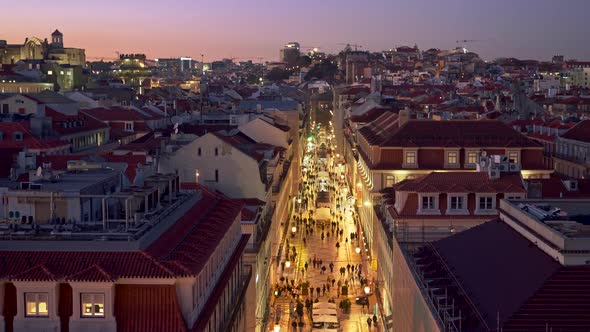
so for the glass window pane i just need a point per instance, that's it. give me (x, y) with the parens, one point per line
(31, 308)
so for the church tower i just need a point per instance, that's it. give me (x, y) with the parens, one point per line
(57, 39)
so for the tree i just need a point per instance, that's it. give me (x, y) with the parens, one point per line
(303, 61)
(325, 70)
(277, 74)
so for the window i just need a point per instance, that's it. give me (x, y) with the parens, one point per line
(92, 305)
(472, 158)
(428, 202)
(452, 158)
(4, 108)
(50, 72)
(486, 203)
(216, 151)
(128, 126)
(389, 181)
(513, 157)
(199, 152)
(457, 203)
(216, 175)
(18, 136)
(36, 304)
(410, 158)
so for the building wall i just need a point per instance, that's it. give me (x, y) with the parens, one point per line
(24, 87)
(410, 310)
(18, 104)
(238, 174)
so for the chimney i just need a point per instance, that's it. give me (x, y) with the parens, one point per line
(403, 116)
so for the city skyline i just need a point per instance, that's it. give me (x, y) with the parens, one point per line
(257, 29)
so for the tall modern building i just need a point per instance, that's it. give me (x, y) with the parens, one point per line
(290, 52)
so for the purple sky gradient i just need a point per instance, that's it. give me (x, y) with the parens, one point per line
(534, 29)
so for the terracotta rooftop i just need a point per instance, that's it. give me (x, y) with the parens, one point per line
(581, 132)
(463, 182)
(430, 133)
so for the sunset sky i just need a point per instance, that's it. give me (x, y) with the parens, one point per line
(533, 29)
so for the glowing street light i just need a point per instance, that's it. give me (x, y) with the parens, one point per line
(293, 229)
(299, 200)
(367, 290)
(358, 250)
(277, 328)
(288, 264)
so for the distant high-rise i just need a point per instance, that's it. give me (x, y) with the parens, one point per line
(290, 52)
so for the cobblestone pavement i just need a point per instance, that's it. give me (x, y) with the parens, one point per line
(320, 240)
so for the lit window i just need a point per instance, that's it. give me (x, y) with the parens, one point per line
(457, 203)
(472, 158)
(389, 180)
(486, 203)
(513, 157)
(452, 158)
(428, 202)
(50, 72)
(92, 304)
(410, 158)
(36, 304)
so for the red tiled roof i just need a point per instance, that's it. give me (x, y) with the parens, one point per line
(36, 273)
(463, 182)
(29, 141)
(160, 310)
(77, 123)
(115, 114)
(581, 132)
(181, 251)
(93, 273)
(370, 115)
(464, 133)
(186, 246)
(554, 187)
(542, 137)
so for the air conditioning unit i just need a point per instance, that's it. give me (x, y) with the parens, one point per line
(514, 167)
(494, 174)
(503, 167)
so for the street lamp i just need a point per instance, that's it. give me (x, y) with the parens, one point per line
(277, 328)
(358, 250)
(293, 229)
(299, 200)
(288, 264)
(367, 290)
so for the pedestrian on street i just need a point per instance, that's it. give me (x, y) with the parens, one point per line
(337, 245)
(369, 321)
(333, 281)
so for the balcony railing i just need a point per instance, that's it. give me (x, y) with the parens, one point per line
(573, 159)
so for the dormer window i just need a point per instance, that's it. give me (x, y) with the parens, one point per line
(92, 304)
(410, 159)
(36, 304)
(428, 204)
(18, 136)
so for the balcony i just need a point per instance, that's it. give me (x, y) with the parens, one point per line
(240, 295)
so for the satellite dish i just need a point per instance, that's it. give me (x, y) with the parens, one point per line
(39, 171)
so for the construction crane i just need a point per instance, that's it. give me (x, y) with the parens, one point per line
(356, 46)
